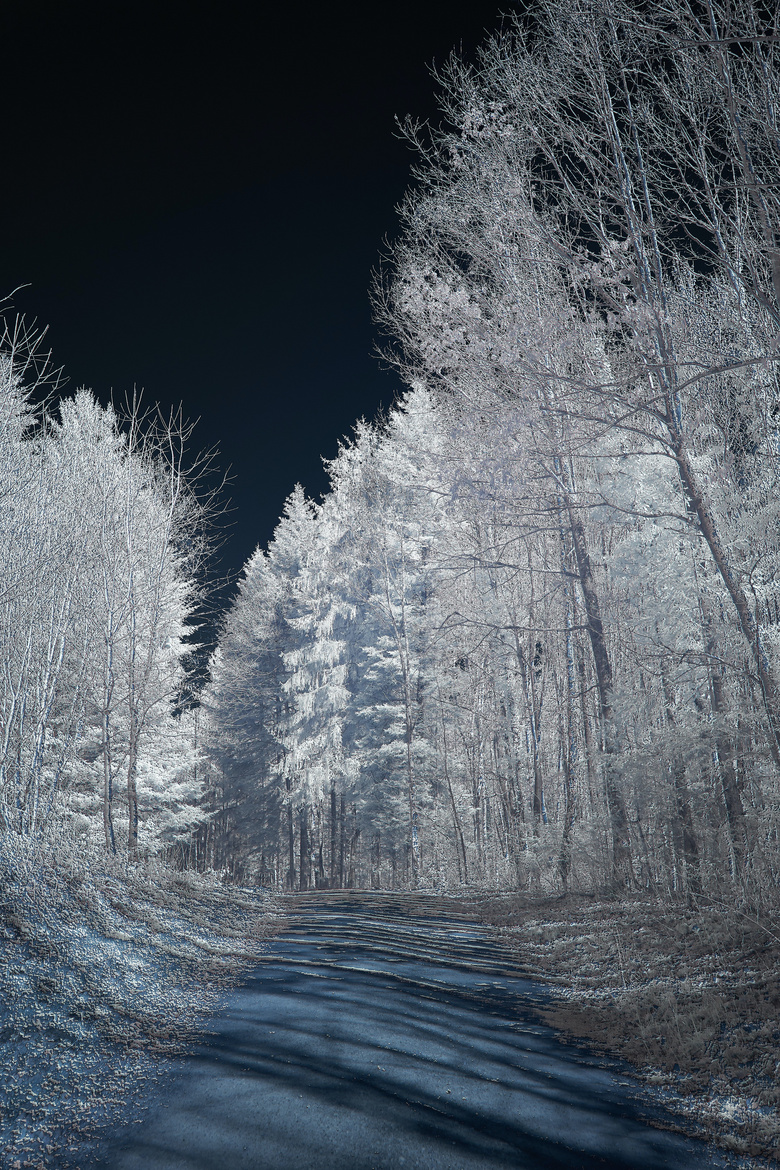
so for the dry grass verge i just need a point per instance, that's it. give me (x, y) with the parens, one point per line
(691, 998)
(105, 973)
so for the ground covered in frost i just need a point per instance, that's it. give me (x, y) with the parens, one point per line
(104, 973)
(690, 997)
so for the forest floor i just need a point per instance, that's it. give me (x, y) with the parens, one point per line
(105, 972)
(690, 998)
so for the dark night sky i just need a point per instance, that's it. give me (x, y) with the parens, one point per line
(196, 194)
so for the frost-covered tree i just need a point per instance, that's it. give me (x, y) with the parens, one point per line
(132, 509)
(100, 533)
(537, 643)
(242, 707)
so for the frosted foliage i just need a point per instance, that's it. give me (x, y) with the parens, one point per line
(92, 621)
(531, 636)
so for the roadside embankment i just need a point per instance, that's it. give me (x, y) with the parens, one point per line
(105, 971)
(690, 997)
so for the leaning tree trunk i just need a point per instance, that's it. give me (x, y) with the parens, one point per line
(770, 692)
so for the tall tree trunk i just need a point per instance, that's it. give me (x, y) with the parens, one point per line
(132, 788)
(413, 836)
(539, 811)
(460, 846)
(534, 714)
(290, 848)
(108, 787)
(342, 840)
(333, 836)
(354, 842)
(587, 733)
(732, 797)
(376, 862)
(564, 854)
(304, 847)
(621, 839)
(690, 846)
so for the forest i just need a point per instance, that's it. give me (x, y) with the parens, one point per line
(529, 639)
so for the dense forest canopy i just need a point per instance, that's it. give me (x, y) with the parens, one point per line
(530, 637)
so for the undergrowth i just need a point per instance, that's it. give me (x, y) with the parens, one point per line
(690, 997)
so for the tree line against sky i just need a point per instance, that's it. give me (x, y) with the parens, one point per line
(530, 637)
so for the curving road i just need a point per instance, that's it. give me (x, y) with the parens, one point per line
(378, 1034)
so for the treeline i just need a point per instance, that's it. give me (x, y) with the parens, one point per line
(531, 635)
(101, 546)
